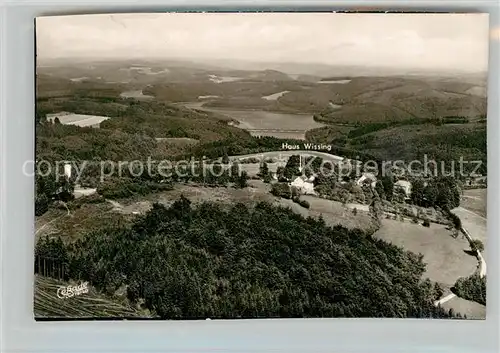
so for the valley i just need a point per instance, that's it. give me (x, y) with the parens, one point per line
(268, 123)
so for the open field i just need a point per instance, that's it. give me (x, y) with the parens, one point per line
(472, 309)
(475, 225)
(79, 119)
(92, 216)
(475, 200)
(73, 224)
(444, 255)
(332, 212)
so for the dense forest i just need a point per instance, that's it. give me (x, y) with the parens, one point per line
(240, 262)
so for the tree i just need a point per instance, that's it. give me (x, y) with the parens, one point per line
(477, 245)
(57, 121)
(264, 170)
(267, 178)
(41, 204)
(448, 192)
(430, 195)
(388, 185)
(292, 167)
(379, 188)
(417, 192)
(65, 189)
(345, 197)
(225, 159)
(182, 206)
(235, 170)
(242, 180)
(280, 173)
(457, 222)
(399, 195)
(438, 291)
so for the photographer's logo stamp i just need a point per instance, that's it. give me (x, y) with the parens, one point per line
(71, 291)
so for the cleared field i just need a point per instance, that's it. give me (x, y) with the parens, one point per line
(472, 309)
(254, 168)
(444, 255)
(475, 225)
(73, 224)
(475, 200)
(338, 214)
(332, 212)
(87, 305)
(79, 119)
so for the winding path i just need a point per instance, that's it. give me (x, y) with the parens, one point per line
(481, 264)
(55, 219)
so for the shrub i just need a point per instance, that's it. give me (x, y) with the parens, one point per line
(426, 223)
(267, 178)
(281, 190)
(303, 203)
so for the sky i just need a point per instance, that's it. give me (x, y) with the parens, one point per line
(421, 41)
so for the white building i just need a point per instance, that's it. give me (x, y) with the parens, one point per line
(403, 185)
(367, 177)
(304, 185)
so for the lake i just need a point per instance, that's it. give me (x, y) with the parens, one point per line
(275, 96)
(135, 94)
(264, 123)
(341, 82)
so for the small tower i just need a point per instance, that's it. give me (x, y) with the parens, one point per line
(67, 170)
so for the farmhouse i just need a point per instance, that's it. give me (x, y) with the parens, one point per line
(304, 185)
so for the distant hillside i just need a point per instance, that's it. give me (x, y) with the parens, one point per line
(375, 99)
(133, 131)
(447, 142)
